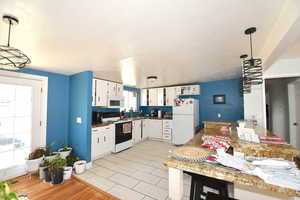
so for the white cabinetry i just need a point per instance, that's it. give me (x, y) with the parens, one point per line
(115, 90)
(153, 97)
(144, 97)
(154, 128)
(136, 131)
(189, 90)
(103, 141)
(100, 92)
(160, 96)
(145, 129)
(170, 96)
(167, 130)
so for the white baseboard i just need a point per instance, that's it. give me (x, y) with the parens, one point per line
(89, 165)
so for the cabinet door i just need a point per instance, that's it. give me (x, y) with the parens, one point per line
(94, 145)
(137, 130)
(153, 97)
(119, 90)
(112, 89)
(145, 128)
(102, 93)
(144, 97)
(155, 127)
(108, 138)
(170, 96)
(160, 96)
(94, 92)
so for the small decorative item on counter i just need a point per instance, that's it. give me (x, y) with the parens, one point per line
(190, 154)
(80, 166)
(216, 142)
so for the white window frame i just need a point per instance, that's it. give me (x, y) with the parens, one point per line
(44, 97)
(136, 101)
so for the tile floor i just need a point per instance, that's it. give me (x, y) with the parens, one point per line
(137, 173)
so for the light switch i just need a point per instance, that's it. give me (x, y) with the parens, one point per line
(219, 115)
(78, 120)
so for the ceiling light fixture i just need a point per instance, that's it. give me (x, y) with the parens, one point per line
(10, 57)
(152, 79)
(245, 83)
(252, 68)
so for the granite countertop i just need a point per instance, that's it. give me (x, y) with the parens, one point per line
(230, 175)
(129, 119)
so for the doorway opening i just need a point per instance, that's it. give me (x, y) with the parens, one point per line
(283, 108)
(21, 123)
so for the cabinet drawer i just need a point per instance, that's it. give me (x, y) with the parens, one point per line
(95, 130)
(167, 137)
(169, 126)
(167, 130)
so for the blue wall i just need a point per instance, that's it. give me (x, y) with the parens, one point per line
(58, 106)
(81, 106)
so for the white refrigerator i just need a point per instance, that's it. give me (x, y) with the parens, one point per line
(185, 120)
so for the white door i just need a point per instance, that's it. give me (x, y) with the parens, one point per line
(294, 113)
(137, 131)
(102, 93)
(95, 142)
(144, 98)
(155, 129)
(153, 97)
(160, 96)
(20, 123)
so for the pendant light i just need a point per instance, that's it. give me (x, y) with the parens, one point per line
(252, 68)
(245, 83)
(10, 57)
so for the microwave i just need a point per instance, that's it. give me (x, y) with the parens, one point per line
(115, 102)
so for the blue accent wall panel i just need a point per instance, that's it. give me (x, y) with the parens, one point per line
(81, 106)
(233, 110)
(58, 106)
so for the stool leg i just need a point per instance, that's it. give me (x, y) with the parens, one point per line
(192, 192)
(224, 191)
(199, 190)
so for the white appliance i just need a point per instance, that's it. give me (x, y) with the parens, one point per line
(115, 102)
(185, 120)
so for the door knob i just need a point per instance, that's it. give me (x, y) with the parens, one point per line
(295, 124)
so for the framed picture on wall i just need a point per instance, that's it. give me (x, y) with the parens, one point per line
(219, 99)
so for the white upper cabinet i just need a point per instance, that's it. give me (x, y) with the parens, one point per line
(101, 97)
(112, 89)
(94, 92)
(153, 97)
(189, 90)
(144, 97)
(119, 90)
(170, 96)
(160, 96)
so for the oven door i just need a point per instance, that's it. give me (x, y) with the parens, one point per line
(123, 132)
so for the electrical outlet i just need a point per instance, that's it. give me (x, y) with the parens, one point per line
(219, 115)
(78, 120)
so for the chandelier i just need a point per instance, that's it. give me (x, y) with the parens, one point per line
(10, 57)
(245, 83)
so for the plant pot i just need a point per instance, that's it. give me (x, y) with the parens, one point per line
(57, 176)
(80, 166)
(64, 154)
(47, 175)
(50, 158)
(33, 165)
(67, 172)
(42, 172)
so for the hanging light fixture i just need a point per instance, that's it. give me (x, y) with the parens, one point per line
(10, 57)
(252, 68)
(245, 83)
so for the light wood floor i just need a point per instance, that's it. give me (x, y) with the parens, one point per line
(73, 189)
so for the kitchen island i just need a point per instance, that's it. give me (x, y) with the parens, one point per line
(177, 167)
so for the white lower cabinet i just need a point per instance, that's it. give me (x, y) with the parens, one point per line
(136, 131)
(167, 130)
(154, 128)
(103, 141)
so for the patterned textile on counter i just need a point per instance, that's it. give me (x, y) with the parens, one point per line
(216, 142)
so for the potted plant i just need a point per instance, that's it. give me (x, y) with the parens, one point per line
(56, 169)
(67, 172)
(80, 166)
(43, 166)
(71, 159)
(47, 174)
(64, 152)
(34, 159)
(5, 192)
(49, 154)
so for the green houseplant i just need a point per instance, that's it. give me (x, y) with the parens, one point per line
(56, 169)
(64, 152)
(45, 164)
(49, 154)
(5, 193)
(34, 159)
(71, 159)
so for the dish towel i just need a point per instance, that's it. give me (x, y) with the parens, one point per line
(216, 142)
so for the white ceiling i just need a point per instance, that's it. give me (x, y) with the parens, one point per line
(178, 40)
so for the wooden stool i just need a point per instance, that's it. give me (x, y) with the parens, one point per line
(198, 182)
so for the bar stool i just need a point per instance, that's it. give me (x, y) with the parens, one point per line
(198, 182)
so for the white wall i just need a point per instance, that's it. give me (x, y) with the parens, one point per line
(254, 103)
